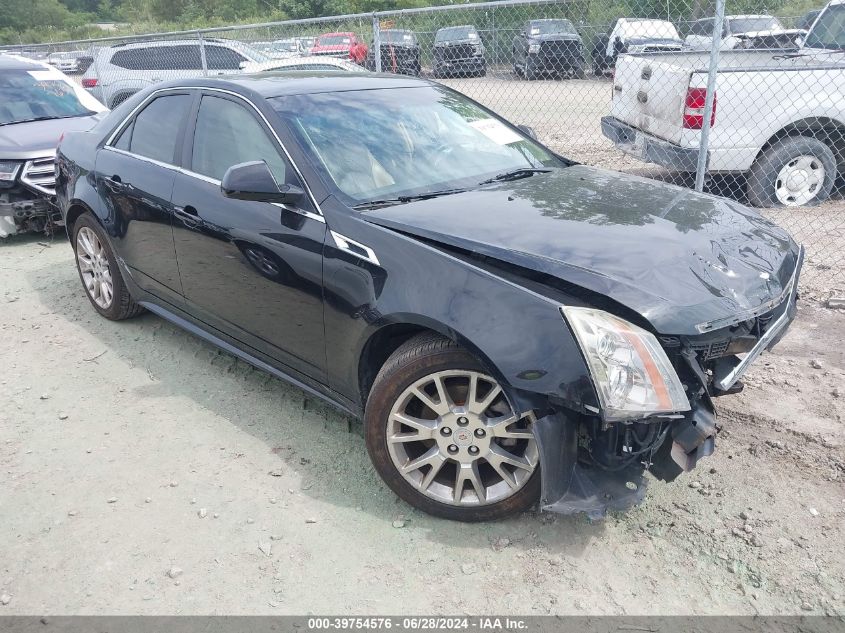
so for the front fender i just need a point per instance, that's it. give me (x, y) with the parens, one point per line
(519, 334)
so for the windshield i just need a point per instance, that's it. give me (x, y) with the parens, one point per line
(552, 27)
(389, 143)
(751, 25)
(333, 40)
(456, 33)
(829, 31)
(26, 95)
(653, 29)
(397, 37)
(289, 47)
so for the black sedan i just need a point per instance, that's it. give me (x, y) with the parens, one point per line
(511, 326)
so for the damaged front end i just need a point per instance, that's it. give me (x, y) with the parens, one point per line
(27, 197)
(596, 461)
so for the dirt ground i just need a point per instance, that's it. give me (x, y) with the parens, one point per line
(144, 472)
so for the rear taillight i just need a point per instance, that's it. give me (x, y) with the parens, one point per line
(89, 83)
(694, 108)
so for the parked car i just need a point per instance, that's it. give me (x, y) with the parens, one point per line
(400, 52)
(735, 29)
(344, 45)
(633, 35)
(66, 62)
(790, 149)
(458, 52)
(280, 49)
(306, 43)
(37, 105)
(312, 63)
(548, 48)
(119, 71)
(498, 314)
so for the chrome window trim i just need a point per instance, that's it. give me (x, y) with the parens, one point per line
(119, 129)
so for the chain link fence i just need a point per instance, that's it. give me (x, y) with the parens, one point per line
(624, 85)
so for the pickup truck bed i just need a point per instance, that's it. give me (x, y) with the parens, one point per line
(761, 96)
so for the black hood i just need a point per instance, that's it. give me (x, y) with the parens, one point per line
(678, 258)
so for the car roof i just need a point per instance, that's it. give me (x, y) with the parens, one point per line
(284, 83)
(459, 26)
(13, 62)
(155, 43)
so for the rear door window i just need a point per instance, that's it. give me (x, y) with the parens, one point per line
(154, 132)
(222, 58)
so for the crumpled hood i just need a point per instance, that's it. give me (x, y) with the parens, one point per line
(676, 257)
(22, 141)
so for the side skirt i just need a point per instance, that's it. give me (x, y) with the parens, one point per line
(245, 356)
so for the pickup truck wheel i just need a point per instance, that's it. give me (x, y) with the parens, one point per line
(530, 71)
(794, 171)
(579, 71)
(443, 437)
(98, 271)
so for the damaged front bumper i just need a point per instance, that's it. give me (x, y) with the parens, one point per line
(572, 484)
(26, 214)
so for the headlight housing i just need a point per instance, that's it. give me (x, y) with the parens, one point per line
(9, 170)
(630, 370)
(533, 48)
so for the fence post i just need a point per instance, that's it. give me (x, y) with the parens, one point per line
(704, 143)
(202, 55)
(376, 43)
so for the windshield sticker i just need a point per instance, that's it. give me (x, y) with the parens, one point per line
(496, 131)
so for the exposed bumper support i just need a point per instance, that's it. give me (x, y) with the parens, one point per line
(570, 488)
(770, 337)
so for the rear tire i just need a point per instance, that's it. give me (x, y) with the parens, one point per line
(421, 364)
(98, 268)
(794, 171)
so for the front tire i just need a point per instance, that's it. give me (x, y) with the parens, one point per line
(442, 436)
(99, 272)
(795, 171)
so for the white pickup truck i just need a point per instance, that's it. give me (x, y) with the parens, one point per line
(779, 116)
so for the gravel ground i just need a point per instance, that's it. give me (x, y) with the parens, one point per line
(144, 472)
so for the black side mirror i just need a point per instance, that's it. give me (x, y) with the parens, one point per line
(528, 131)
(254, 181)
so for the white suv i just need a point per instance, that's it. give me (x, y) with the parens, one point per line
(118, 72)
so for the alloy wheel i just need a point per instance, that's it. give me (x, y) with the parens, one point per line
(453, 436)
(94, 267)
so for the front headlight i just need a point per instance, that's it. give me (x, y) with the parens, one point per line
(631, 372)
(8, 170)
(533, 48)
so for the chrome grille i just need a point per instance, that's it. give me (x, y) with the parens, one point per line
(40, 174)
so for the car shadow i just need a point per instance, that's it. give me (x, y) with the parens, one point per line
(323, 446)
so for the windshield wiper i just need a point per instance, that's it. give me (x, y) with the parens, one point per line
(516, 174)
(50, 118)
(386, 202)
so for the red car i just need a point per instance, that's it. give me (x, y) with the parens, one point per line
(344, 44)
